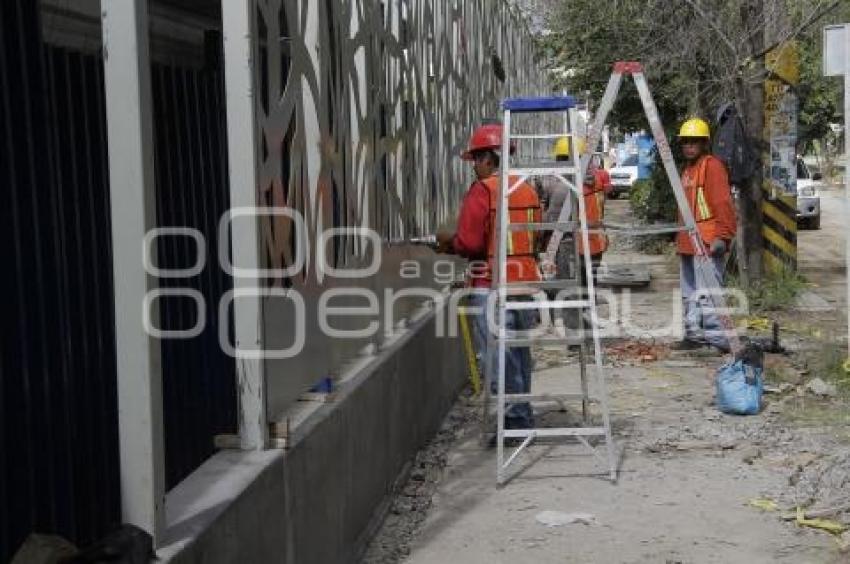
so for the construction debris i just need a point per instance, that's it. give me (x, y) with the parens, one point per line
(819, 483)
(780, 389)
(764, 504)
(559, 518)
(624, 275)
(757, 323)
(827, 525)
(818, 513)
(820, 388)
(637, 351)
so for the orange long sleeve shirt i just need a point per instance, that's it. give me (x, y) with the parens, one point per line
(718, 196)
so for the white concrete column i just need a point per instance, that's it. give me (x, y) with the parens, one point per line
(847, 172)
(239, 37)
(836, 62)
(133, 203)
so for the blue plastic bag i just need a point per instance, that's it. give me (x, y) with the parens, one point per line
(739, 388)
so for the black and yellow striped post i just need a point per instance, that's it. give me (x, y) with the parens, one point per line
(779, 202)
(779, 230)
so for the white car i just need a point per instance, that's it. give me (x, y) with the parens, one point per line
(808, 197)
(622, 178)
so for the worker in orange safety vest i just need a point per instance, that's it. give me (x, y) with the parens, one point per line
(596, 186)
(475, 239)
(709, 196)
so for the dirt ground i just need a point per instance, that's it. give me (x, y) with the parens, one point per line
(688, 476)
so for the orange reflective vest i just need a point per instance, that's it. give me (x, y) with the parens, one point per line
(594, 208)
(710, 224)
(523, 207)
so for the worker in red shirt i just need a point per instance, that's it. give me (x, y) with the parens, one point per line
(706, 184)
(475, 239)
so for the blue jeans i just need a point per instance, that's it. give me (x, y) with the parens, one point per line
(701, 323)
(517, 360)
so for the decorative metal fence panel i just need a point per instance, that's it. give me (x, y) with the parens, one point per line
(363, 108)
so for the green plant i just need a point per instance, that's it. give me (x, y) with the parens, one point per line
(776, 291)
(639, 197)
(777, 370)
(827, 362)
(652, 201)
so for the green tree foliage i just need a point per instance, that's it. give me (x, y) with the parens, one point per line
(589, 36)
(819, 96)
(697, 54)
(652, 199)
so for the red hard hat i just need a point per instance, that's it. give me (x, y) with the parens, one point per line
(486, 137)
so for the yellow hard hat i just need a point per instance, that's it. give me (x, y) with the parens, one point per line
(562, 146)
(695, 127)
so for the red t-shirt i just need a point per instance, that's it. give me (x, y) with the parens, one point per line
(473, 230)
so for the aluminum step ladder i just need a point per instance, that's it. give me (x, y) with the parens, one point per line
(707, 275)
(572, 175)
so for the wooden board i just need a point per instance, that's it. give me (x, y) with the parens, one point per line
(623, 275)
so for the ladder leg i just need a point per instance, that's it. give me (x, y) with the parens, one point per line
(585, 397)
(500, 278)
(606, 421)
(602, 391)
(594, 327)
(500, 413)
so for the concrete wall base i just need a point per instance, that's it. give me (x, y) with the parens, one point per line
(319, 500)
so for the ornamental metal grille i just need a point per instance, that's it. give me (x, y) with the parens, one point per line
(363, 108)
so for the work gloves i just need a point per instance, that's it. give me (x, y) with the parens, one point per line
(718, 248)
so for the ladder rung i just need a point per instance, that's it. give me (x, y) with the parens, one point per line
(540, 135)
(542, 170)
(633, 231)
(557, 284)
(548, 304)
(543, 226)
(543, 340)
(556, 432)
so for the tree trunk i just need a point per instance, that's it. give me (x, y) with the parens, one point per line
(751, 99)
(702, 94)
(750, 194)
